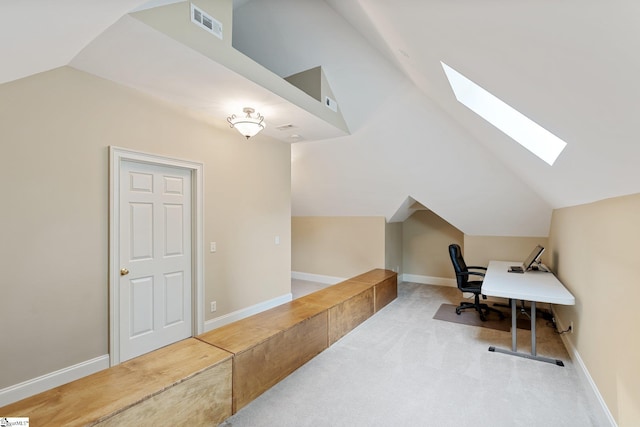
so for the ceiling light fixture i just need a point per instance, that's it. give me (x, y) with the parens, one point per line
(248, 126)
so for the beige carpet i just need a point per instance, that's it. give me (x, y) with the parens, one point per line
(403, 368)
(447, 312)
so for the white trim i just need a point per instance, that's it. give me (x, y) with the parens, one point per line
(329, 280)
(116, 156)
(584, 372)
(246, 312)
(51, 380)
(429, 280)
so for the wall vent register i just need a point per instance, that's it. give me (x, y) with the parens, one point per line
(203, 20)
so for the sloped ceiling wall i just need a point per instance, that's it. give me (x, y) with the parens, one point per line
(43, 35)
(402, 144)
(571, 66)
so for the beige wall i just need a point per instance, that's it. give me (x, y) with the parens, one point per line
(55, 129)
(479, 250)
(426, 238)
(393, 247)
(337, 246)
(594, 252)
(309, 81)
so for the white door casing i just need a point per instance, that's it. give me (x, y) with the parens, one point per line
(156, 252)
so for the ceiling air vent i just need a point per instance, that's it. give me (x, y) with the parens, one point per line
(288, 126)
(202, 20)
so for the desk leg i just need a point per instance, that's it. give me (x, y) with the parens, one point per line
(533, 328)
(514, 344)
(514, 322)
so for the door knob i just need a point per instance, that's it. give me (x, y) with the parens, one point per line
(124, 271)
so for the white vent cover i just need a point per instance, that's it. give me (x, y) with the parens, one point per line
(202, 20)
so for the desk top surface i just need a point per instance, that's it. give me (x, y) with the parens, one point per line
(536, 286)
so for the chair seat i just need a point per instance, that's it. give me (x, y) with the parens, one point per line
(473, 286)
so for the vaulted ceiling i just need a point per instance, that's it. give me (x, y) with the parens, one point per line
(570, 66)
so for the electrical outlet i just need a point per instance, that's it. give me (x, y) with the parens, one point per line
(213, 306)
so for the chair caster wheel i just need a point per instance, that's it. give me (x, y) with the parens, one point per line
(458, 311)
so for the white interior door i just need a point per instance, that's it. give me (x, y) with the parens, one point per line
(155, 285)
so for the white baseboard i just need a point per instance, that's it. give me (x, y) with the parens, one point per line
(54, 379)
(429, 280)
(212, 324)
(584, 373)
(329, 280)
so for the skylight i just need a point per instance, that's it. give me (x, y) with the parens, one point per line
(516, 125)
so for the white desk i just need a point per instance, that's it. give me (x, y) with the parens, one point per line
(534, 286)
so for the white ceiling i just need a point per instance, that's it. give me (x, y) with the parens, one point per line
(571, 66)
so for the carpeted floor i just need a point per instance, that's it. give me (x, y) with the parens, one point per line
(403, 368)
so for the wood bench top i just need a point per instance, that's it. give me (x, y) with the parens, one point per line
(336, 294)
(246, 333)
(237, 337)
(110, 391)
(374, 276)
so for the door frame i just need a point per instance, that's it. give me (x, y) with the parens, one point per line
(116, 156)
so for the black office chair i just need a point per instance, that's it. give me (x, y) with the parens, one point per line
(465, 285)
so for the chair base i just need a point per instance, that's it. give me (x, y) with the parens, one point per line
(478, 307)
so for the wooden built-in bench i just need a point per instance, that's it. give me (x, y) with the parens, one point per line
(186, 383)
(270, 345)
(204, 380)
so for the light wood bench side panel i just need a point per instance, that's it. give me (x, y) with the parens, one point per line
(261, 367)
(204, 399)
(344, 317)
(385, 292)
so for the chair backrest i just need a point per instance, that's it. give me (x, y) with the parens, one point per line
(458, 264)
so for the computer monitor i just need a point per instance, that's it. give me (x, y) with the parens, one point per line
(533, 257)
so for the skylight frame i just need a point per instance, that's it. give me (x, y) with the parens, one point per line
(507, 119)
